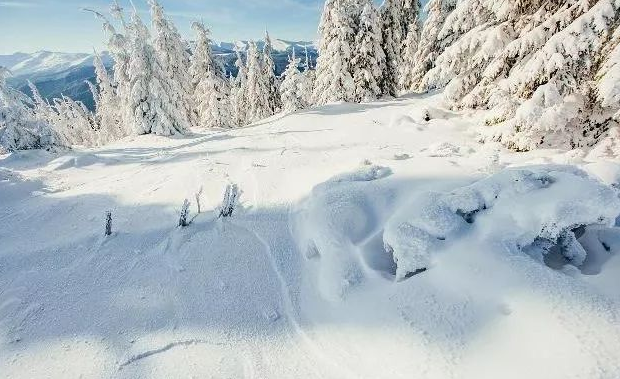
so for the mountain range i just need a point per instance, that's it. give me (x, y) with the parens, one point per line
(58, 73)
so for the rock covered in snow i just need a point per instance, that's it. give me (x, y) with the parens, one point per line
(523, 208)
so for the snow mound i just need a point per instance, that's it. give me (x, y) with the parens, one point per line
(443, 150)
(538, 211)
(366, 173)
(333, 221)
(73, 161)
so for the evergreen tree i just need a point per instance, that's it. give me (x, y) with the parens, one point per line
(210, 95)
(269, 68)
(307, 81)
(108, 105)
(398, 16)
(213, 107)
(172, 70)
(239, 93)
(19, 129)
(258, 90)
(368, 62)
(537, 64)
(334, 81)
(430, 45)
(407, 80)
(291, 86)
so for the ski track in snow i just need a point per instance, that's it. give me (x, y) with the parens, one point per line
(242, 297)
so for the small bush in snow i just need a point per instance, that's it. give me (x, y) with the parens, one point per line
(198, 196)
(231, 198)
(184, 213)
(108, 223)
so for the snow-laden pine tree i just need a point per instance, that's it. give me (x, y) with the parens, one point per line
(153, 101)
(398, 17)
(537, 64)
(258, 90)
(368, 62)
(119, 48)
(74, 124)
(19, 129)
(291, 86)
(334, 81)
(41, 108)
(307, 81)
(171, 71)
(107, 111)
(429, 45)
(269, 67)
(239, 93)
(213, 105)
(406, 78)
(210, 88)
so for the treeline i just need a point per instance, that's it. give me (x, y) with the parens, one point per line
(546, 69)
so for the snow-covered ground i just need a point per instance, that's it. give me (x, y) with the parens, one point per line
(301, 281)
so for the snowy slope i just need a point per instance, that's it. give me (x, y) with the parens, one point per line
(298, 283)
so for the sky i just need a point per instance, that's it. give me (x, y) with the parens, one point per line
(61, 25)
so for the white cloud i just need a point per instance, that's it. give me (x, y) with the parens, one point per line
(15, 4)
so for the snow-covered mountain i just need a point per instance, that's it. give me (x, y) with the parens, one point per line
(57, 73)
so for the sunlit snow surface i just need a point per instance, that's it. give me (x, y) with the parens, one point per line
(301, 281)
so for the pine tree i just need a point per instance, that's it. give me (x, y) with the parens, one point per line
(307, 81)
(334, 81)
(210, 95)
(19, 130)
(258, 90)
(239, 93)
(430, 45)
(398, 16)
(213, 105)
(269, 68)
(536, 64)
(407, 80)
(171, 68)
(368, 62)
(108, 105)
(291, 86)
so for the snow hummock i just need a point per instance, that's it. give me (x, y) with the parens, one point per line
(366, 243)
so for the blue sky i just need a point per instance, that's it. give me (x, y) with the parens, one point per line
(60, 25)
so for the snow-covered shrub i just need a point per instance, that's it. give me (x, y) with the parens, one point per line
(230, 200)
(183, 221)
(198, 196)
(108, 223)
(534, 210)
(20, 129)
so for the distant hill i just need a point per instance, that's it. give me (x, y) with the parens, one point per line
(58, 73)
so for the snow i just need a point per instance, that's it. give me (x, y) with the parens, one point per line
(298, 282)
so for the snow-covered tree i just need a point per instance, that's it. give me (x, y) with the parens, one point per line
(291, 86)
(19, 129)
(213, 105)
(307, 81)
(210, 95)
(171, 70)
(334, 81)
(74, 124)
(407, 79)
(239, 93)
(258, 90)
(397, 16)
(368, 62)
(429, 45)
(269, 68)
(107, 110)
(537, 64)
